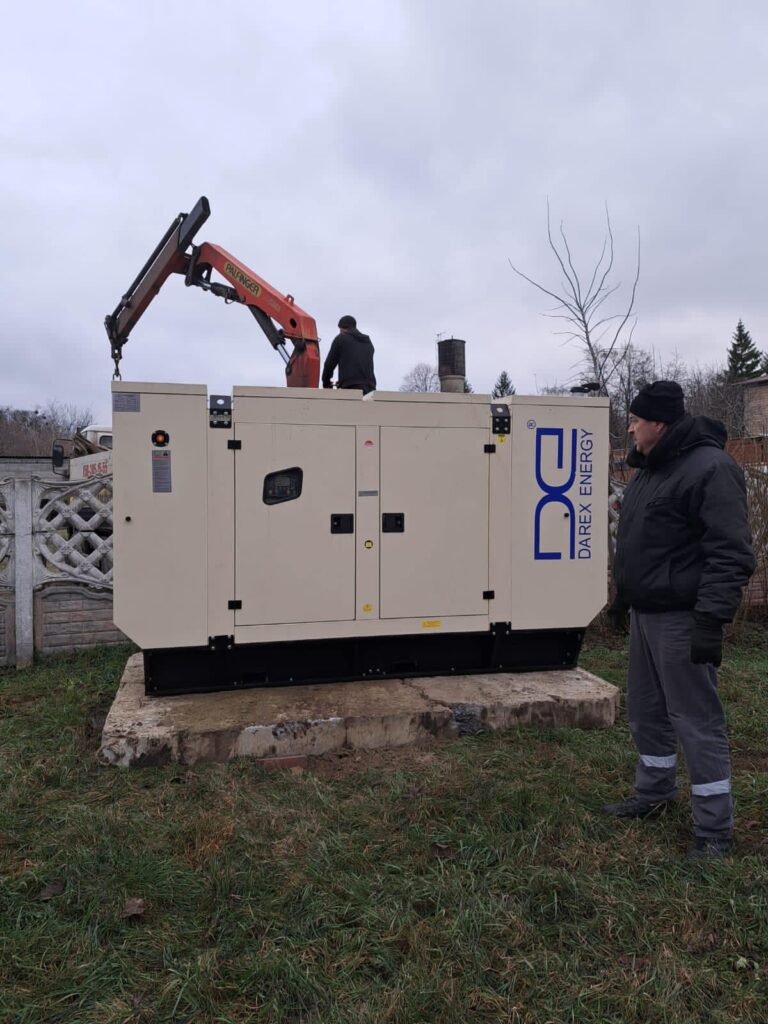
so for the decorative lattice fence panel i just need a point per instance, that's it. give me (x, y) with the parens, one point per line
(616, 490)
(6, 533)
(72, 531)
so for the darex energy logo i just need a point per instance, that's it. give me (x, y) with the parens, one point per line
(563, 462)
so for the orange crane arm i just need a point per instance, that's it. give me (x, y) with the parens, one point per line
(171, 256)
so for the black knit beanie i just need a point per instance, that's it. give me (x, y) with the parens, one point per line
(348, 322)
(660, 402)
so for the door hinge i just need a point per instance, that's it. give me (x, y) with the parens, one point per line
(501, 422)
(234, 605)
(234, 445)
(220, 411)
(489, 449)
(489, 595)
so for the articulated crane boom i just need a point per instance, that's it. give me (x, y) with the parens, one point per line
(175, 254)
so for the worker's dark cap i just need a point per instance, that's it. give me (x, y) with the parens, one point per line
(348, 322)
(660, 402)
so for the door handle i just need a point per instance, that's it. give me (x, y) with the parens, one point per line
(342, 522)
(393, 522)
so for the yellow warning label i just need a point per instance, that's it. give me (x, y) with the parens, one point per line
(242, 279)
(501, 438)
(367, 607)
(431, 624)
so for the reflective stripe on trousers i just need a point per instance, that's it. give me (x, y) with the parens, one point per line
(671, 701)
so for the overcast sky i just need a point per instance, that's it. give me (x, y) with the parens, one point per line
(381, 159)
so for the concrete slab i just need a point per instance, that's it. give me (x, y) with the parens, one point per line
(305, 721)
(570, 697)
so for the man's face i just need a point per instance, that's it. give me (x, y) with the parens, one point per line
(645, 433)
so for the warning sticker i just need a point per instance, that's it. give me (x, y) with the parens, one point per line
(431, 624)
(126, 401)
(367, 608)
(161, 471)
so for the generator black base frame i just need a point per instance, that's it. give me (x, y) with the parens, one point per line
(222, 666)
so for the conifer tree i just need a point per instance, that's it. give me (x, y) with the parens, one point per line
(503, 386)
(743, 355)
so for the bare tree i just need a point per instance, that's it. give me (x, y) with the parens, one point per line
(32, 431)
(631, 369)
(599, 336)
(66, 416)
(709, 392)
(422, 377)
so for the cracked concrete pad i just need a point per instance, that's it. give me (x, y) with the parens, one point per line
(265, 722)
(568, 697)
(295, 721)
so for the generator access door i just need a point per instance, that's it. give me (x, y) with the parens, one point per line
(294, 523)
(434, 522)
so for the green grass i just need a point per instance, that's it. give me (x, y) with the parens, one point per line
(476, 881)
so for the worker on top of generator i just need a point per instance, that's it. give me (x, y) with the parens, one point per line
(352, 352)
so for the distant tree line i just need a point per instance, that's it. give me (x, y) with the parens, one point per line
(32, 431)
(424, 378)
(711, 390)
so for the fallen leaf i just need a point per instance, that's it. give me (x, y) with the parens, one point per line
(440, 852)
(133, 908)
(52, 889)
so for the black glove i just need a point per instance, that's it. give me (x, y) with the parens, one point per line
(706, 640)
(618, 615)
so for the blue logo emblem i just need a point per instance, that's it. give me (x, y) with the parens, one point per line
(555, 492)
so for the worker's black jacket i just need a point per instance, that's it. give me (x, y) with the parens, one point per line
(684, 539)
(352, 352)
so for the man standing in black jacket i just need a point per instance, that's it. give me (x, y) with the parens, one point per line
(683, 556)
(352, 352)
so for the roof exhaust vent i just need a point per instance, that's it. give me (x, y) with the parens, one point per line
(451, 366)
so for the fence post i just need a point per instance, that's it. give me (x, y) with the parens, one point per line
(24, 565)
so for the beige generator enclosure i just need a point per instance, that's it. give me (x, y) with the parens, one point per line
(295, 535)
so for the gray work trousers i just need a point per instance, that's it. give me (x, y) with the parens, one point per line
(671, 701)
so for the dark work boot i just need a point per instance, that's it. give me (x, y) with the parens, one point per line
(710, 848)
(634, 807)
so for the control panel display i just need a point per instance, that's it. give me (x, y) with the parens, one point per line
(284, 485)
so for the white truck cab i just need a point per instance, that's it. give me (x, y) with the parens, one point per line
(87, 454)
